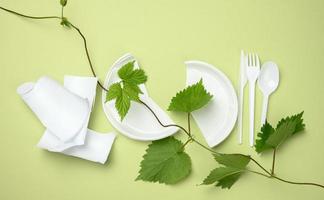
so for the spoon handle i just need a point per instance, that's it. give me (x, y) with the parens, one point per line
(264, 109)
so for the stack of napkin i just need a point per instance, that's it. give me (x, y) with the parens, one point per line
(65, 112)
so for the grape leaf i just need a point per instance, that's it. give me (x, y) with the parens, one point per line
(270, 138)
(285, 130)
(127, 89)
(114, 91)
(232, 160)
(260, 143)
(165, 162)
(224, 176)
(122, 104)
(300, 126)
(190, 99)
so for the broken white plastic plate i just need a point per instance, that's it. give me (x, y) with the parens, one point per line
(139, 123)
(217, 119)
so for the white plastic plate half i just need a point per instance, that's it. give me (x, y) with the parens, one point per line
(217, 119)
(139, 123)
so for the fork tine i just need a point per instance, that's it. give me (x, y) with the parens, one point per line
(253, 60)
(257, 61)
(250, 60)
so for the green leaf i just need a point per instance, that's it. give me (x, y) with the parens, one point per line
(125, 72)
(127, 89)
(165, 162)
(137, 77)
(114, 91)
(232, 160)
(63, 2)
(190, 99)
(270, 138)
(260, 143)
(122, 104)
(300, 126)
(65, 22)
(285, 130)
(132, 91)
(224, 176)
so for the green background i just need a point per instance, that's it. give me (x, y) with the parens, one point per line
(162, 34)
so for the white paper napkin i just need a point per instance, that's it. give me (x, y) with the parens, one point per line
(49, 101)
(60, 111)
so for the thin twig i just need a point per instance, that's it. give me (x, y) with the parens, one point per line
(28, 16)
(298, 183)
(72, 25)
(273, 161)
(257, 163)
(87, 53)
(189, 129)
(164, 125)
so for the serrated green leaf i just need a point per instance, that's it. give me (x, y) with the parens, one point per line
(127, 89)
(137, 77)
(190, 99)
(132, 91)
(114, 91)
(228, 181)
(224, 177)
(270, 138)
(285, 130)
(263, 135)
(125, 72)
(165, 162)
(300, 126)
(122, 104)
(238, 161)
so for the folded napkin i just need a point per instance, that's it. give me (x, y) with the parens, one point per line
(65, 112)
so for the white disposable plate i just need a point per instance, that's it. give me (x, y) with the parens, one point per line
(217, 119)
(139, 123)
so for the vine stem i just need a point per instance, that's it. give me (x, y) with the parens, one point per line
(73, 26)
(163, 125)
(273, 161)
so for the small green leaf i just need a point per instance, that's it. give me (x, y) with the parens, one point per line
(63, 2)
(190, 99)
(122, 104)
(232, 160)
(260, 143)
(65, 22)
(224, 176)
(165, 162)
(126, 71)
(132, 91)
(114, 91)
(127, 89)
(137, 77)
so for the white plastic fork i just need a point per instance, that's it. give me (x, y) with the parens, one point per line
(252, 73)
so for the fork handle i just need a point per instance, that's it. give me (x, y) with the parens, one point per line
(251, 99)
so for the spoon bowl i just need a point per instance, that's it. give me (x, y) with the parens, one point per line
(269, 78)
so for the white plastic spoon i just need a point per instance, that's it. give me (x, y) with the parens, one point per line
(268, 82)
